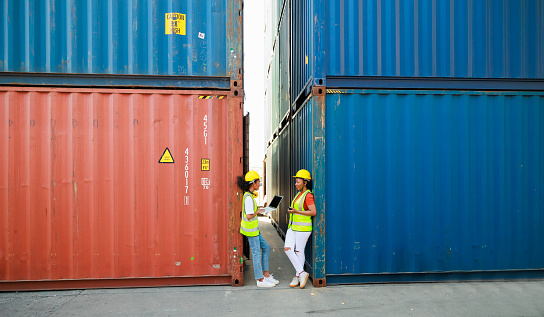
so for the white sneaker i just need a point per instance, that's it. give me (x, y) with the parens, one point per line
(272, 280)
(303, 279)
(294, 282)
(265, 283)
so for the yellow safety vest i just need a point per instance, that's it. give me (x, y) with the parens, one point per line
(299, 222)
(249, 227)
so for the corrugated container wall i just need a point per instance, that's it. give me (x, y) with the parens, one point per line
(418, 38)
(84, 198)
(276, 88)
(302, 59)
(272, 94)
(121, 37)
(425, 38)
(302, 158)
(445, 182)
(279, 180)
(277, 95)
(439, 141)
(268, 35)
(273, 15)
(284, 59)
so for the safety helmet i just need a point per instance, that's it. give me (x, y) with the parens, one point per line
(304, 174)
(251, 176)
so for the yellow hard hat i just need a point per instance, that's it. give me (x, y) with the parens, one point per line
(304, 174)
(251, 176)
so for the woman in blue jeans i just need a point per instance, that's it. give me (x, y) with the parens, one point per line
(250, 228)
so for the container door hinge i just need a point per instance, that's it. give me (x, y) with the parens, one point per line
(236, 84)
(320, 82)
(319, 90)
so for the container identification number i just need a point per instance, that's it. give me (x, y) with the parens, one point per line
(206, 129)
(186, 198)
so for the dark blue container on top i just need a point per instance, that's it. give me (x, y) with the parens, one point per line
(349, 42)
(125, 37)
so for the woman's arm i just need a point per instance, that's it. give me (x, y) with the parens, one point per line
(259, 212)
(311, 212)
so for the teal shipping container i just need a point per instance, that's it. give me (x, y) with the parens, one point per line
(277, 66)
(190, 44)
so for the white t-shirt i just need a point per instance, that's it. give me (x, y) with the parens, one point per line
(248, 204)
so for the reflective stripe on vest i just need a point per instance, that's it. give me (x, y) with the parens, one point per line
(249, 227)
(298, 222)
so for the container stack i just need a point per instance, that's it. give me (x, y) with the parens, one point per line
(120, 141)
(421, 123)
(278, 101)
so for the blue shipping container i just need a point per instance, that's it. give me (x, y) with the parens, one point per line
(432, 181)
(500, 39)
(126, 37)
(426, 38)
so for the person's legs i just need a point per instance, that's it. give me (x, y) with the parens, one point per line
(255, 245)
(301, 238)
(265, 247)
(289, 248)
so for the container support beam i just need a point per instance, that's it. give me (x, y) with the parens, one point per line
(11, 286)
(114, 81)
(434, 276)
(318, 126)
(234, 40)
(367, 82)
(320, 181)
(235, 245)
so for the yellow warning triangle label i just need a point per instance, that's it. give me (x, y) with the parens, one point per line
(166, 157)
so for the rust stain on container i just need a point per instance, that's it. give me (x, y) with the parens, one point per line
(82, 195)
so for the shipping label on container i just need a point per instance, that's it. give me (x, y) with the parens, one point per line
(166, 157)
(205, 182)
(205, 164)
(174, 23)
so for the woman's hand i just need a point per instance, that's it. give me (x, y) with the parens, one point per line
(311, 212)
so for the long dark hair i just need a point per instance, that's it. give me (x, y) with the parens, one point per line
(242, 184)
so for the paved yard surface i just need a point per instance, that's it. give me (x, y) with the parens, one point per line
(515, 298)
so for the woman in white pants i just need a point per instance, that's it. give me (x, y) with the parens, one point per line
(300, 226)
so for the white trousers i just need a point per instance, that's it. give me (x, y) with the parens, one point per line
(296, 241)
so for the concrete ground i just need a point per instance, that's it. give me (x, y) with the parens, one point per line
(514, 298)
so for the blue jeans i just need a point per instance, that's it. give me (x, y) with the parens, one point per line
(256, 244)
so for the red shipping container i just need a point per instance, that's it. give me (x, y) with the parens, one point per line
(85, 201)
